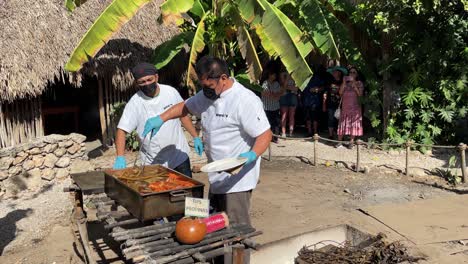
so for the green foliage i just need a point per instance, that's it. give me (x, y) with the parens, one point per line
(132, 141)
(426, 42)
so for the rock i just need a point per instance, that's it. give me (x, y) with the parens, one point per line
(366, 169)
(22, 154)
(19, 160)
(54, 138)
(14, 170)
(35, 151)
(38, 161)
(7, 152)
(61, 173)
(66, 144)
(50, 160)
(50, 148)
(418, 172)
(48, 174)
(347, 191)
(6, 162)
(79, 166)
(461, 242)
(63, 162)
(74, 149)
(83, 144)
(60, 152)
(394, 152)
(3, 175)
(28, 165)
(340, 165)
(78, 138)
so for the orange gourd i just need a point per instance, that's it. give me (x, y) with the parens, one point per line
(190, 230)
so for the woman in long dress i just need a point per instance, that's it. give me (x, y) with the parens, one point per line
(350, 122)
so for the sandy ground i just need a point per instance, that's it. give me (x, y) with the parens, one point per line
(292, 198)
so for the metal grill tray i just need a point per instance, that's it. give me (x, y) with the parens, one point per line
(150, 206)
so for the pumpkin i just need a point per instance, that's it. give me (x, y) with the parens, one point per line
(190, 230)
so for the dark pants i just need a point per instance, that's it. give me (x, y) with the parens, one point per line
(272, 117)
(185, 168)
(236, 205)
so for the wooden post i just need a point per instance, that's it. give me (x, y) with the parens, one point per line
(316, 138)
(408, 150)
(358, 155)
(238, 254)
(102, 114)
(462, 148)
(40, 126)
(3, 133)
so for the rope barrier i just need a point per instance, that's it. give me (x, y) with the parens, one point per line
(366, 143)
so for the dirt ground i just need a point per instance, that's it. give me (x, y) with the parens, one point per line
(291, 198)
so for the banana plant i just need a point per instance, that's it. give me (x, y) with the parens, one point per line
(223, 28)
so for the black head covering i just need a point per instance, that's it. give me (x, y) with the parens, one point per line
(143, 69)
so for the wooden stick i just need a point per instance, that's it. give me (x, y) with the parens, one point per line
(139, 252)
(187, 253)
(142, 229)
(173, 250)
(316, 138)
(3, 133)
(102, 115)
(121, 223)
(145, 233)
(132, 242)
(462, 148)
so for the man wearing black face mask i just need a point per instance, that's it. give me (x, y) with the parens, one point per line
(234, 125)
(169, 149)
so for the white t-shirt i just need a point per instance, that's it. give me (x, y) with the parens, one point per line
(169, 146)
(230, 125)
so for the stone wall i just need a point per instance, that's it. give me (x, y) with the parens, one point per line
(32, 165)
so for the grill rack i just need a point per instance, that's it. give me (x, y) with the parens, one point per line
(155, 243)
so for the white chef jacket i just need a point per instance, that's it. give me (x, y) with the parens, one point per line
(169, 146)
(230, 125)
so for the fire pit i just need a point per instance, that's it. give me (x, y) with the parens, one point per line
(153, 241)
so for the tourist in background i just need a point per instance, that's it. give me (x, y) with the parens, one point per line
(288, 103)
(350, 122)
(270, 98)
(312, 100)
(331, 98)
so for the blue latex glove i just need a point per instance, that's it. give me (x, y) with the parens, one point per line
(198, 145)
(251, 156)
(152, 125)
(120, 163)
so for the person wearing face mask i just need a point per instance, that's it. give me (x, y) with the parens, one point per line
(170, 147)
(234, 125)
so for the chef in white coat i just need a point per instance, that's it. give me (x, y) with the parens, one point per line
(169, 148)
(233, 124)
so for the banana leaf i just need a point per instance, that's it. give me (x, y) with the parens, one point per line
(110, 21)
(165, 52)
(197, 46)
(198, 9)
(287, 40)
(70, 5)
(317, 26)
(247, 48)
(172, 10)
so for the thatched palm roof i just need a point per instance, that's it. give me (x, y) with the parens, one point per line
(37, 37)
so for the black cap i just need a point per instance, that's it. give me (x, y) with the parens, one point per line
(143, 69)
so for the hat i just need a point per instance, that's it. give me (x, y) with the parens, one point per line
(338, 68)
(144, 69)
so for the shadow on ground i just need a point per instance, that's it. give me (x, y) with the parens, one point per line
(8, 226)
